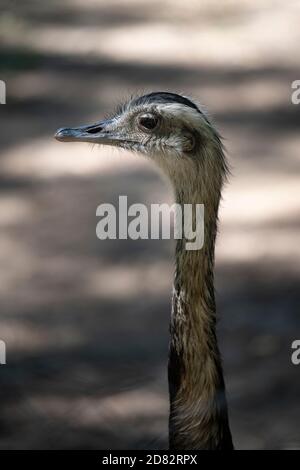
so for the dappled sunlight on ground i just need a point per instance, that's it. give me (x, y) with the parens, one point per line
(86, 321)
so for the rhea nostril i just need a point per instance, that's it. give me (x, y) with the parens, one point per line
(94, 130)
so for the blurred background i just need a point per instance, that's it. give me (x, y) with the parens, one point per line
(86, 321)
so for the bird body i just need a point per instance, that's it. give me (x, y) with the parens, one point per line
(177, 135)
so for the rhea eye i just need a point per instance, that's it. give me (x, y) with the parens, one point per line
(147, 122)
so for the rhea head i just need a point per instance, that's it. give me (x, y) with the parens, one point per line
(168, 128)
(175, 133)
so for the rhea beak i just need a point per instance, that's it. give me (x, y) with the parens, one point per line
(99, 133)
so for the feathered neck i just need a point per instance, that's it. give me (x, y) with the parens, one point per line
(198, 408)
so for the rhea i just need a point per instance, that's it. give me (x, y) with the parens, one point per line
(176, 134)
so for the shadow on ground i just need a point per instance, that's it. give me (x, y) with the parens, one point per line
(86, 322)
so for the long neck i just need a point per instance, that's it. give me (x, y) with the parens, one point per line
(198, 408)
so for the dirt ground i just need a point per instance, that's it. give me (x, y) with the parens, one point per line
(86, 321)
